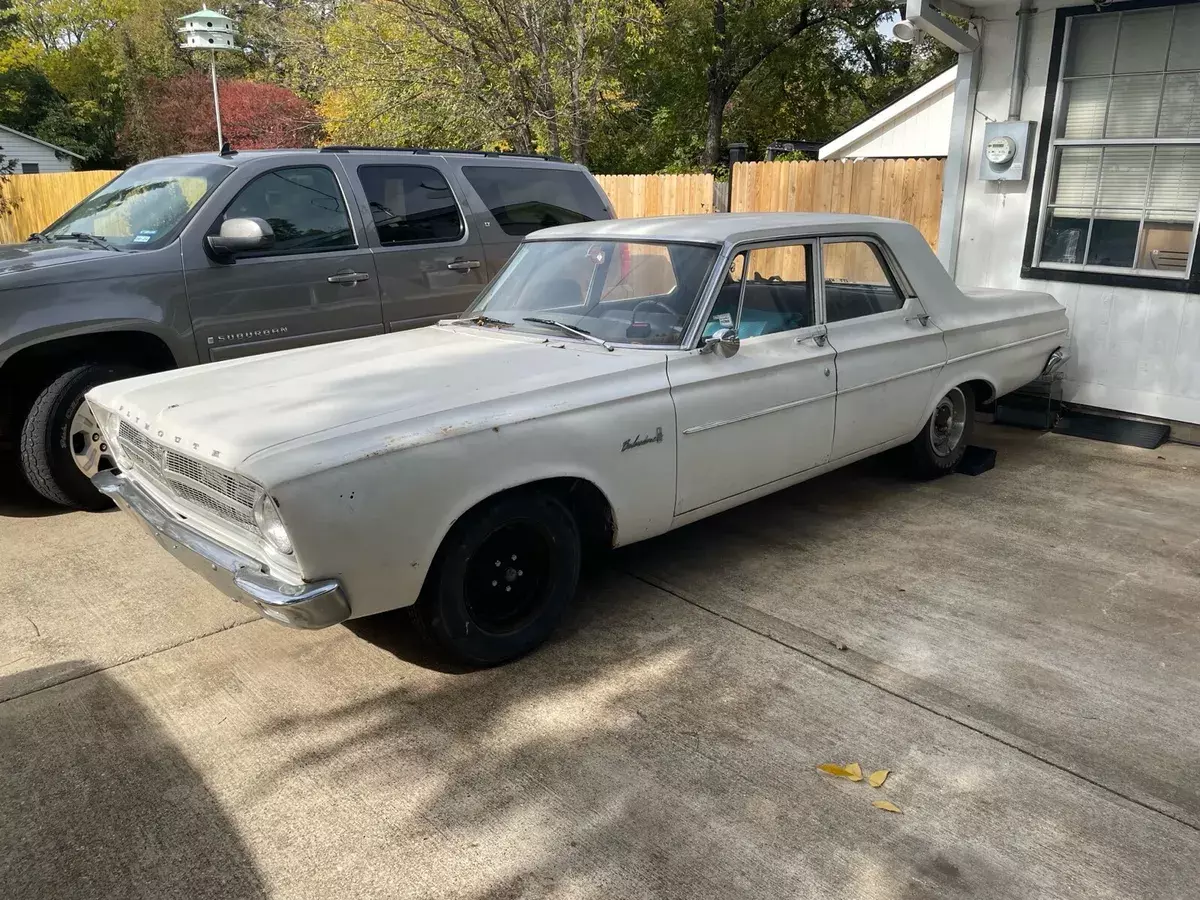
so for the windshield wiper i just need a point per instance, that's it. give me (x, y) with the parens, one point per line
(38, 238)
(477, 320)
(570, 329)
(92, 239)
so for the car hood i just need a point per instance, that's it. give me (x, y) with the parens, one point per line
(382, 392)
(26, 257)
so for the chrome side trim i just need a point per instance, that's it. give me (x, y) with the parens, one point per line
(762, 412)
(1039, 337)
(871, 384)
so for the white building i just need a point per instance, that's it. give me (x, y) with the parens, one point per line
(916, 125)
(34, 156)
(1101, 208)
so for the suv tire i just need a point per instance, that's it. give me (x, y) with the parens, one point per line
(505, 574)
(47, 452)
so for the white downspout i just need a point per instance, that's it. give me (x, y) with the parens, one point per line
(954, 181)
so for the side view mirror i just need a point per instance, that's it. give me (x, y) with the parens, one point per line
(247, 235)
(723, 343)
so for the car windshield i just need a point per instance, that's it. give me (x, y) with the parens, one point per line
(143, 207)
(618, 291)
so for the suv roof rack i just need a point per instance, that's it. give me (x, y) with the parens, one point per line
(347, 148)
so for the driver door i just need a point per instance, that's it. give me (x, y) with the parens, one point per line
(765, 413)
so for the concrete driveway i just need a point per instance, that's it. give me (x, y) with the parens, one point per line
(1020, 649)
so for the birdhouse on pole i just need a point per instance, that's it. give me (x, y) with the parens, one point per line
(207, 30)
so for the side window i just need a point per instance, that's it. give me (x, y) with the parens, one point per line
(303, 206)
(522, 200)
(411, 204)
(857, 281)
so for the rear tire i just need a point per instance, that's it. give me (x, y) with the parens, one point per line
(503, 578)
(944, 438)
(53, 437)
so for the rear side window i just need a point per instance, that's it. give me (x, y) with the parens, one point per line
(857, 281)
(303, 206)
(411, 204)
(522, 200)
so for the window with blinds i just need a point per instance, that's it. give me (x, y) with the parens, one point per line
(1123, 188)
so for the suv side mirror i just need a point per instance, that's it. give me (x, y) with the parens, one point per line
(241, 236)
(723, 343)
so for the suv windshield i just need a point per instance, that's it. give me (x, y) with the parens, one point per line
(143, 207)
(617, 291)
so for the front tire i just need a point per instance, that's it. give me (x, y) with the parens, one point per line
(60, 445)
(504, 576)
(943, 440)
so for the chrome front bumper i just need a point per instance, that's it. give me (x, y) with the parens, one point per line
(301, 605)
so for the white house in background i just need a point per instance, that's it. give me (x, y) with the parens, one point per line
(916, 125)
(33, 155)
(1074, 168)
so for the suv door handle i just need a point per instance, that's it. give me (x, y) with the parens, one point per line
(463, 265)
(347, 277)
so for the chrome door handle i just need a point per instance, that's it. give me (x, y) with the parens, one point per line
(347, 278)
(820, 340)
(924, 320)
(463, 265)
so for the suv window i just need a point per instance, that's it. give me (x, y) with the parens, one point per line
(410, 204)
(303, 205)
(522, 200)
(857, 281)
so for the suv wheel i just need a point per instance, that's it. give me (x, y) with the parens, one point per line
(504, 576)
(61, 447)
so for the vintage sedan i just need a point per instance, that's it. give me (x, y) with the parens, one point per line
(618, 379)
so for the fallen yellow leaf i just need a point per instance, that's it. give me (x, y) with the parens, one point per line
(852, 771)
(886, 805)
(876, 779)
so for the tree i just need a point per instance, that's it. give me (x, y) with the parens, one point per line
(529, 74)
(254, 116)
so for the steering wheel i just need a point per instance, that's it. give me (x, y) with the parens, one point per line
(662, 307)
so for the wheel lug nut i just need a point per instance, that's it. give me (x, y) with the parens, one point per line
(514, 558)
(497, 564)
(520, 572)
(494, 583)
(104, 448)
(95, 437)
(507, 589)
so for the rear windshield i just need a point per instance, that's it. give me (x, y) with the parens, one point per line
(522, 200)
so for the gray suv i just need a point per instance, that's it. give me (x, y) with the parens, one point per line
(208, 257)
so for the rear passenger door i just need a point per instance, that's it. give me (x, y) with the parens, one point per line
(519, 200)
(429, 261)
(888, 352)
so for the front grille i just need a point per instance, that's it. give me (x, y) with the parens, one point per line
(223, 494)
(140, 448)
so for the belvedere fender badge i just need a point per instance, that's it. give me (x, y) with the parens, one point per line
(642, 441)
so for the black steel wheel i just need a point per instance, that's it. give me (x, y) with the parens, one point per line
(503, 578)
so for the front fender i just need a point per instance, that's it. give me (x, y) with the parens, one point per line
(377, 523)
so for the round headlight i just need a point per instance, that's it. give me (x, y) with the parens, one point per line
(266, 514)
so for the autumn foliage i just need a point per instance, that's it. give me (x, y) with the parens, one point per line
(175, 115)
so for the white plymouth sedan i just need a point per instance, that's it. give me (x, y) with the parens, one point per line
(618, 379)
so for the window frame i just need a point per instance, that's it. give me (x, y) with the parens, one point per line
(1031, 265)
(891, 271)
(373, 228)
(356, 244)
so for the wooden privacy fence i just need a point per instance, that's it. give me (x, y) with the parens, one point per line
(40, 199)
(908, 189)
(634, 196)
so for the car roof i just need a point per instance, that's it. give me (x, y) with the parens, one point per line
(714, 228)
(240, 157)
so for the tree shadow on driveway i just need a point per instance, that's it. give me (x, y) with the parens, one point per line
(97, 803)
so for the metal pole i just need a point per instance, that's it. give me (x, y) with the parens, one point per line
(216, 100)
